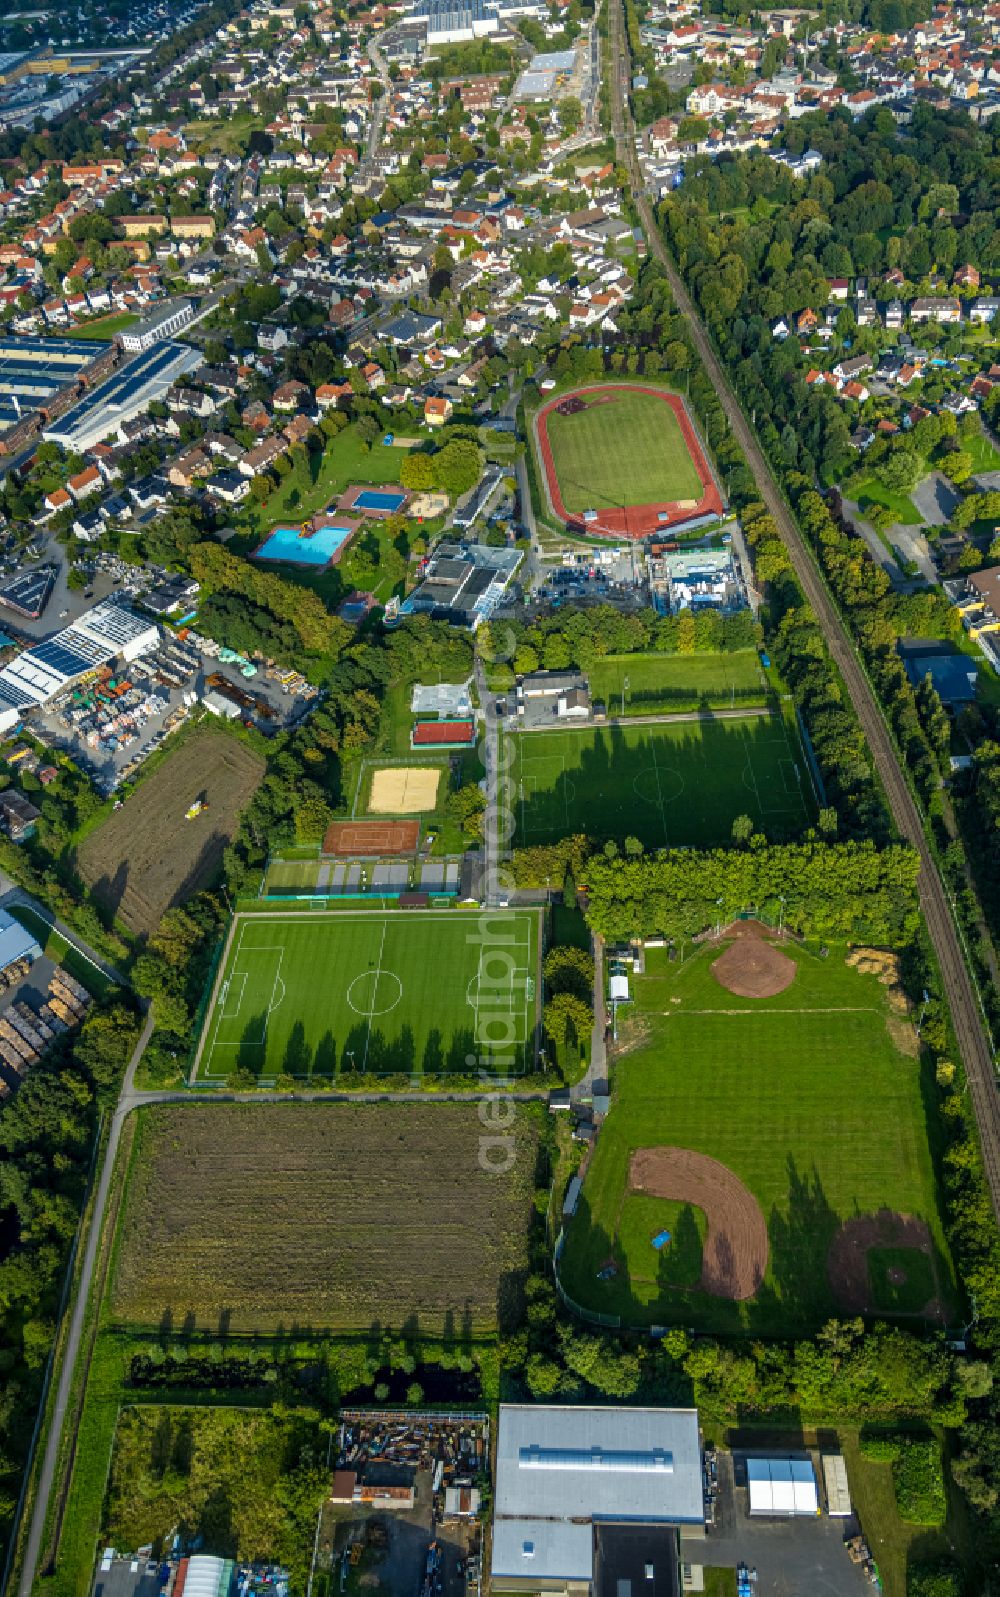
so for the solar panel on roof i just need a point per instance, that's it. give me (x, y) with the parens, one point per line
(60, 658)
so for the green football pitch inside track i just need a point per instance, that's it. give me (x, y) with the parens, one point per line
(379, 992)
(625, 448)
(812, 1098)
(668, 784)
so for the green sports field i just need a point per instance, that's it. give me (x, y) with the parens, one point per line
(812, 1098)
(625, 448)
(378, 992)
(668, 784)
(653, 683)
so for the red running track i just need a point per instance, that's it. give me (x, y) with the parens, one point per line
(631, 521)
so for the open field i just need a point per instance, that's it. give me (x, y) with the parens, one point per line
(219, 1473)
(903, 509)
(147, 856)
(374, 991)
(332, 1216)
(812, 1102)
(624, 447)
(665, 682)
(667, 784)
(311, 485)
(104, 328)
(985, 455)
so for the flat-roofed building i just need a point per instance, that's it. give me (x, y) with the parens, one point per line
(571, 1478)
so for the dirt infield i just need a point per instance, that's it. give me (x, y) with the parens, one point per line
(404, 789)
(630, 521)
(371, 839)
(847, 1261)
(147, 856)
(734, 1257)
(751, 966)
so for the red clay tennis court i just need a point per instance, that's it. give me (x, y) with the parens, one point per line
(362, 839)
(628, 521)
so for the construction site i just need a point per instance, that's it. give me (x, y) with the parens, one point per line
(404, 1509)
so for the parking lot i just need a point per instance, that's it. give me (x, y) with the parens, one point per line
(791, 1556)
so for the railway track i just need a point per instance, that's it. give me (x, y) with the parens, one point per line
(973, 1041)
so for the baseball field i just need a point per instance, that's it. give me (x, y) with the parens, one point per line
(360, 992)
(779, 1139)
(668, 783)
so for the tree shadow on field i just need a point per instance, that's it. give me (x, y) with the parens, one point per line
(432, 1063)
(215, 1523)
(680, 1261)
(460, 1049)
(404, 1051)
(325, 1058)
(110, 890)
(160, 1447)
(800, 1238)
(352, 1054)
(297, 1059)
(182, 1451)
(250, 1050)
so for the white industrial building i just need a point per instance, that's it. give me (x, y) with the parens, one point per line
(162, 322)
(781, 1488)
(107, 632)
(144, 378)
(15, 942)
(575, 1486)
(457, 21)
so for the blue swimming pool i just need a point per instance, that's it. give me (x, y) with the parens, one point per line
(314, 549)
(390, 500)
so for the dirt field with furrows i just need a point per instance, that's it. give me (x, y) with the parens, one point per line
(331, 1216)
(147, 856)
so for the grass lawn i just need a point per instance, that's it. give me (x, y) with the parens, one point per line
(985, 455)
(895, 1544)
(222, 1474)
(321, 478)
(321, 996)
(806, 1097)
(226, 134)
(903, 509)
(625, 448)
(664, 682)
(57, 948)
(669, 784)
(675, 1264)
(104, 328)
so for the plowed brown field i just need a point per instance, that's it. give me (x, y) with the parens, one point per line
(147, 857)
(331, 1216)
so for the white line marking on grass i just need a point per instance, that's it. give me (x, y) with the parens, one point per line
(378, 971)
(275, 1002)
(753, 774)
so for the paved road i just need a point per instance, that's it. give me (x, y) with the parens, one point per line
(11, 893)
(974, 1045)
(135, 1098)
(71, 1351)
(494, 797)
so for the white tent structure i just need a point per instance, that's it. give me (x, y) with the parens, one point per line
(782, 1487)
